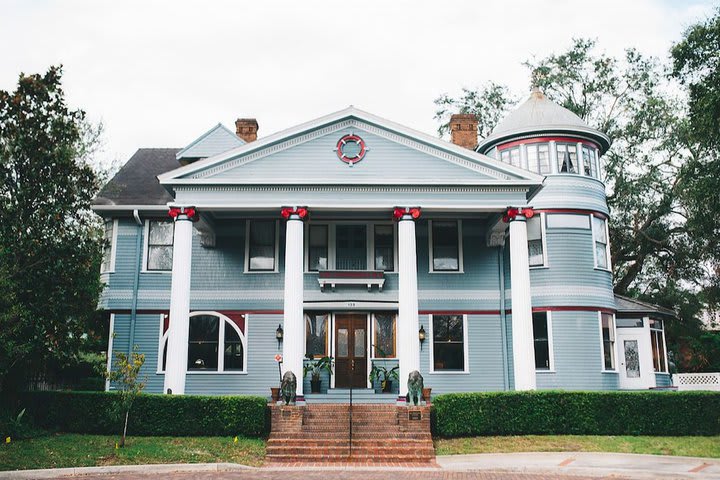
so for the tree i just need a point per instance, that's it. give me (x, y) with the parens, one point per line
(50, 241)
(660, 246)
(490, 103)
(126, 376)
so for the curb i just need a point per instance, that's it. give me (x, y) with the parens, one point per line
(116, 469)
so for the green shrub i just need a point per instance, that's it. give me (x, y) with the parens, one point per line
(152, 414)
(577, 413)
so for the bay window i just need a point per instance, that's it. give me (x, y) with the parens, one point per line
(607, 328)
(160, 245)
(384, 335)
(536, 252)
(542, 340)
(445, 246)
(600, 242)
(262, 243)
(448, 343)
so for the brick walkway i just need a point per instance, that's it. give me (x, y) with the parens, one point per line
(265, 474)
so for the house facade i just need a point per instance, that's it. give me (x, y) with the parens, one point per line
(483, 266)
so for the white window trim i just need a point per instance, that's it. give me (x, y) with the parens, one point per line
(372, 339)
(221, 344)
(461, 266)
(431, 366)
(110, 350)
(332, 237)
(247, 247)
(543, 238)
(602, 345)
(662, 333)
(113, 247)
(551, 350)
(146, 241)
(607, 244)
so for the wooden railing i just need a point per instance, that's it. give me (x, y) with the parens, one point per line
(697, 381)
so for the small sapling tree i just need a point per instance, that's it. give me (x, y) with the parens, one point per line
(126, 377)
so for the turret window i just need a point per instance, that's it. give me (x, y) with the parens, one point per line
(567, 157)
(538, 156)
(511, 156)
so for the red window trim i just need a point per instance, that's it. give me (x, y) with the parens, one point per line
(528, 141)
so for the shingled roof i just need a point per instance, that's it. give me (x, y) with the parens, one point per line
(626, 305)
(136, 182)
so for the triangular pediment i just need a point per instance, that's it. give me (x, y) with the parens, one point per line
(217, 140)
(308, 154)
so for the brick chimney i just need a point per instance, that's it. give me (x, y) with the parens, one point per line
(463, 128)
(246, 128)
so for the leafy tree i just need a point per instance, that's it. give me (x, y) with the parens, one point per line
(490, 103)
(50, 242)
(661, 246)
(126, 376)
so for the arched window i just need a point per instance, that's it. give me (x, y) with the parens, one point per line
(216, 343)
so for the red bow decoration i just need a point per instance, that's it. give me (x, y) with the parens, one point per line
(299, 211)
(513, 212)
(190, 212)
(400, 212)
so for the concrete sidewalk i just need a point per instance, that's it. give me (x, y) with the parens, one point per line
(593, 464)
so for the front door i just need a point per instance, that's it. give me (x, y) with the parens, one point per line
(350, 351)
(635, 370)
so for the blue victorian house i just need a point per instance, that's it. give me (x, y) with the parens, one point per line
(485, 266)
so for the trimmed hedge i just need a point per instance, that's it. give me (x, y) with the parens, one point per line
(579, 413)
(152, 414)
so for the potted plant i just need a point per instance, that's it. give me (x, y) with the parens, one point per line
(315, 367)
(384, 376)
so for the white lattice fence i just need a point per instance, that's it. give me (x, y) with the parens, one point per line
(697, 381)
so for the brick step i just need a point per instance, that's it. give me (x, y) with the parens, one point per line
(381, 458)
(371, 442)
(307, 437)
(357, 450)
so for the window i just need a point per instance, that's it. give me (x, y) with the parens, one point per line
(542, 338)
(589, 161)
(108, 257)
(261, 246)
(538, 155)
(445, 246)
(608, 340)
(351, 247)
(215, 344)
(567, 157)
(535, 241)
(628, 323)
(384, 331)
(511, 156)
(384, 251)
(601, 243)
(448, 343)
(567, 220)
(160, 245)
(657, 337)
(318, 248)
(316, 334)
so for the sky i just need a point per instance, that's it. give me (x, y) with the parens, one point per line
(161, 73)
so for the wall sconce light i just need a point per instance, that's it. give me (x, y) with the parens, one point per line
(421, 336)
(279, 335)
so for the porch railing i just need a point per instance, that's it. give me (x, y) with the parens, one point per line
(697, 381)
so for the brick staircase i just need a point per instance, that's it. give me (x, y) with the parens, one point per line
(381, 435)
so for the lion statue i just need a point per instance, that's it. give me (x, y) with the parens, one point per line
(288, 387)
(415, 387)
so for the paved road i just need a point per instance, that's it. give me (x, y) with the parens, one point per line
(338, 475)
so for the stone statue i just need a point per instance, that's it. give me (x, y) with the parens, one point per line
(288, 387)
(415, 387)
(672, 366)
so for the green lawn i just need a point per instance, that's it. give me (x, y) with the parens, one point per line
(72, 450)
(682, 446)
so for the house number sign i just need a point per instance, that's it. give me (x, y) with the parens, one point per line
(414, 415)
(351, 149)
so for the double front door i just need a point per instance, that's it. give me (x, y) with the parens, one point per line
(350, 351)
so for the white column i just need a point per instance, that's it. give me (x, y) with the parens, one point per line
(177, 353)
(408, 348)
(294, 325)
(522, 329)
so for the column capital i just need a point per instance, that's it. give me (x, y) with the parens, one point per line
(294, 213)
(184, 213)
(517, 213)
(406, 213)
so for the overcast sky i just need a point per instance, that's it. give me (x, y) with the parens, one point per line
(159, 74)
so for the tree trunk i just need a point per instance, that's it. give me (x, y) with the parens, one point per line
(122, 439)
